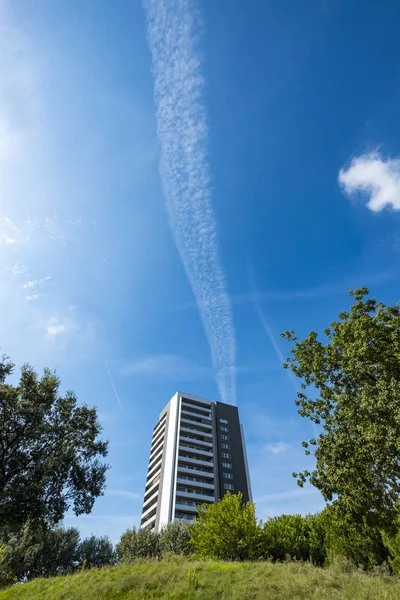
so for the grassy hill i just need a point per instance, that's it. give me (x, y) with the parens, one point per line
(187, 580)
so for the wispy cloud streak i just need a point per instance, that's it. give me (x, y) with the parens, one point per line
(112, 385)
(265, 325)
(173, 27)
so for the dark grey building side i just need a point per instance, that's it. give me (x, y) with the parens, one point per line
(231, 451)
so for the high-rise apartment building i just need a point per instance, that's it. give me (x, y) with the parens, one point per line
(197, 454)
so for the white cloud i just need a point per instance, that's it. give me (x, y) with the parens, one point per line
(124, 494)
(173, 28)
(278, 448)
(32, 297)
(36, 282)
(295, 493)
(55, 328)
(376, 177)
(18, 269)
(167, 366)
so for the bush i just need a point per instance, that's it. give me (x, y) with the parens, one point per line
(175, 538)
(37, 551)
(96, 552)
(138, 543)
(226, 530)
(287, 536)
(359, 543)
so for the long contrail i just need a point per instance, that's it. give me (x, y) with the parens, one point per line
(265, 325)
(113, 386)
(172, 28)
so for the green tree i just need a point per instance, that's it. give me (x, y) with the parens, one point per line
(294, 537)
(175, 538)
(50, 451)
(96, 552)
(138, 543)
(38, 551)
(226, 530)
(353, 395)
(356, 541)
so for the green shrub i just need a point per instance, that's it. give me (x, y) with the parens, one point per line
(226, 530)
(37, 551)
(359, 543)
(138, 543)
(287, 536)
(96, 552)
(175, 538)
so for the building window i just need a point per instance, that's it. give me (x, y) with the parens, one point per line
(227, 465)
(227, 475)
(228, 486)
(224, 428)
(223, 421)
(226, 455)
(225, 446)
(224, 437)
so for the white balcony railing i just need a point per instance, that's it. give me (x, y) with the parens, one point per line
(193, 471)
(190, 450)
(193, 482)
(194, 496)
(193, 440)
(195, 461)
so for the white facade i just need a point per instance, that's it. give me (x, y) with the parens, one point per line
(183, 463)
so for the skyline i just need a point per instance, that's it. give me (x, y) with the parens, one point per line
(112, 121)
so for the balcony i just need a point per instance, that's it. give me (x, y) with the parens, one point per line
(193, 471)
(158, 436)
(158, 427)
(149, 511)
(193, 482)
(194, 496)
(154, 459)
(201, 411)
(193, 440)
(196, 424)
(159, 442)
(192, 430)
(194, 415)
(150, 500)
(191, 450)
(186, 507)
(154, 472)
(194, 461)
(151, 488)
(148, 522)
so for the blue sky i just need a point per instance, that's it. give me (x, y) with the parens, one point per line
(179, 183)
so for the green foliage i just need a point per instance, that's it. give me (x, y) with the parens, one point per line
(96, 552)
(226, 530)
(51, 450)
(37, 551)
(354, 396)
(175, 538)
(293, 537)
(391, 540)
(193, 580)
(357, 542)
(138, 543)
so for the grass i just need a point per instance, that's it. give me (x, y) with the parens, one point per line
(180, 579)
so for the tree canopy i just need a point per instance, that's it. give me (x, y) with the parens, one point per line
(351, 391)
(50, 450)
(226, 530)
